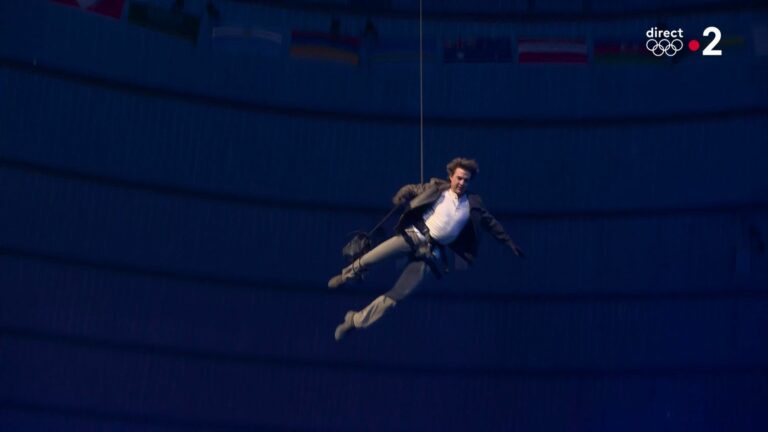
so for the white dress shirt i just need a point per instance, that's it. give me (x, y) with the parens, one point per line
(447, 217)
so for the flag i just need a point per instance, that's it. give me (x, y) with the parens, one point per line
(247, 39)
(403, 50)
(610, 51)
(110, 8)
(563, 51)
(164, 20)
(760, 40)
(478, 50)
(325, 46)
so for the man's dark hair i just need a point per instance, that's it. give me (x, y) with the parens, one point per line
(469, 165)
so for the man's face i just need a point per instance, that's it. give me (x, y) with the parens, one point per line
(460, 180)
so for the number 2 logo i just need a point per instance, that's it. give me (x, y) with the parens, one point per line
(710, 49)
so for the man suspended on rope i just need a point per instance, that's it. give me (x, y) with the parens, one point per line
(438, 215)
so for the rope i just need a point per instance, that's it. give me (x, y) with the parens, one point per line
(384, 219)
(421, 92)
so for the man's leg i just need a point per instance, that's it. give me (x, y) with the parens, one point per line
(395, 245)
(409, 279)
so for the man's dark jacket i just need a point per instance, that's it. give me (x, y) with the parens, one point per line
(423, 196)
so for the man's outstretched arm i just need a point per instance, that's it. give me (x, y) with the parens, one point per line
(497, 231)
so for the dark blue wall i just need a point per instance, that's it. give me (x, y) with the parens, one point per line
(170, 214)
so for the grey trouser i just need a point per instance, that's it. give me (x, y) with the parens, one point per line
(409, 279)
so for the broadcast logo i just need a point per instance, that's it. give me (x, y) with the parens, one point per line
(670, 42)
(664, 42)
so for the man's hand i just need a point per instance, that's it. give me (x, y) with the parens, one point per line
(399, 199)
(404, 194)
(519, 252)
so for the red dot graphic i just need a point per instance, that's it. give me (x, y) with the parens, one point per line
(693, 45)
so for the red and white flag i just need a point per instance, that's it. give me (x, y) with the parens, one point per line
(110, 8)
(551, 51)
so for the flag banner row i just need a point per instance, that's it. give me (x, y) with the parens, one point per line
(334, 47)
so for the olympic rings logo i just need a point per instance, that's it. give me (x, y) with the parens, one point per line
(664, 46)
